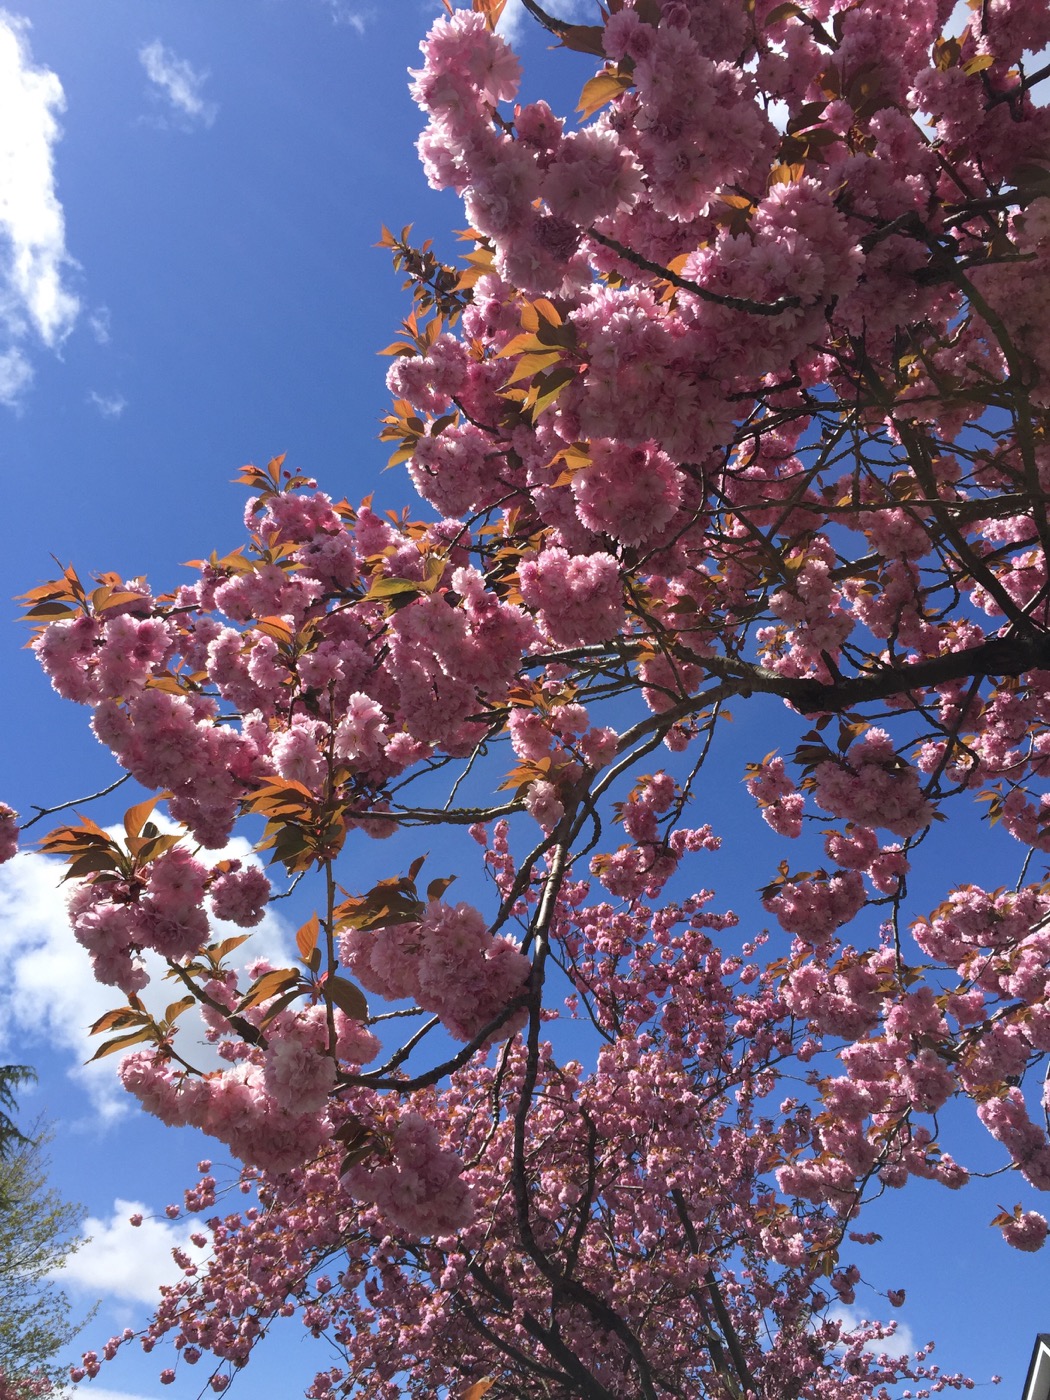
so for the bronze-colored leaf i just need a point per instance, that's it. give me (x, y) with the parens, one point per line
(306, 937)
(124, 1042)
(270, 984)
(478, 1389)
(347, 996)
(602, 88)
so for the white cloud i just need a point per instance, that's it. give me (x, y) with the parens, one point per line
(93, 1392)
(49, 994)
(16, 375)
(180, 83)
(110, 406)
(99, 324)
(34, 299)
(515, 17)
(902, 1343)
(125, 1261)
(351, 15)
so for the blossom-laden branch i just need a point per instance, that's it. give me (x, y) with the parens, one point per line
(715, 409)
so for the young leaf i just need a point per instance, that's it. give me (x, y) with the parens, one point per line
(306, 938)
(124, 1042)
(347, 996)
(135, 818)
(478, 1389)
(115, 1020)
(270, 984)
(601, 89)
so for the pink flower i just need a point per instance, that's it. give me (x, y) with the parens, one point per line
(544, 806)
(240, 896)
(8, 832)
(1026, 1232)
(580, 596)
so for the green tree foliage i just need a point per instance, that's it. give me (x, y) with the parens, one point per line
(12, 1077)
(38, 1232)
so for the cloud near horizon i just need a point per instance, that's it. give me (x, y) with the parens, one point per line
(179, 84)
(125, 1261)
(35, 302)
(48, 994)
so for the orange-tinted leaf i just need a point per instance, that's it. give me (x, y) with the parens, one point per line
(478, 1389)
(146, 848)
(393, 587)
(115, 1020)
(91, 863)
(548, 387)
(599, 90)
(71, 840)
(175, 1010)
(135, 818)
(124, 1042)
(50, 610)
(786, 174)
(491, 9)
(275, 627)
(525, 344)
(306, 938)
(530, 365)
(220, 950)
(282, 1003)
(270, 984)
(105, 598)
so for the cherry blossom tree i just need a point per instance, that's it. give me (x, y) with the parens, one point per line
(739, 398)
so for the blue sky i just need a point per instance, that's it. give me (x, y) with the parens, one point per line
(190, 192)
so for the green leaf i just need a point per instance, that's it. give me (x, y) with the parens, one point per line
(347, 996)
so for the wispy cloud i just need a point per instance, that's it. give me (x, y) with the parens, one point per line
(90, 1391)
(352, 15)
(49, 994)
(179, 84)
(126, 1261)
(16, 375)
(99, 324)
(109, 405)
(34, 298)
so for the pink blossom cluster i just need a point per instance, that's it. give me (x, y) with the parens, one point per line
(813, 907)
(270, 1106)
(873, 787)
(160, 908)
(397, 1322)
(743, 393)
(8, 832)
(448, 963)
(422, 1189)
(578, 599)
